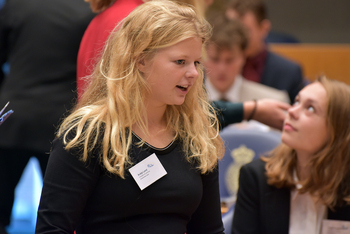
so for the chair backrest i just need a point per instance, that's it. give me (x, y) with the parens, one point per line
(227, 220)
(241, 147)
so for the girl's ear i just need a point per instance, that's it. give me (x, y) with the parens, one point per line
(142, 63)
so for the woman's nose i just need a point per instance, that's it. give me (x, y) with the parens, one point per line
(192, 71)
(294, 111)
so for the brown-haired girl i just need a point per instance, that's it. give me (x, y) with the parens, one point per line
(307, 178)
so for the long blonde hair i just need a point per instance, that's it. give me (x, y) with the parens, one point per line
(329, 179)
(114, 100)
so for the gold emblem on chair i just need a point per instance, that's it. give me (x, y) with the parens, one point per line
(241, 155)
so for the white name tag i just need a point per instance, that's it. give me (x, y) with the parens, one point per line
(147, 171)
(335, 227)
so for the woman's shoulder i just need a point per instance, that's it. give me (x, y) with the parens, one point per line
(255, 165)
(255, 170)
(66, 137)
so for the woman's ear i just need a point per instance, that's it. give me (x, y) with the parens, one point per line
(141, 64)
(144, 64)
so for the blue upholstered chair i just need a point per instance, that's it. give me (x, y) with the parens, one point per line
(241, 147)
(227, 220)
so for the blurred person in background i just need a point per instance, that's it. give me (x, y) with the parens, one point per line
(262, 65)
(39, 40)
(224, 63)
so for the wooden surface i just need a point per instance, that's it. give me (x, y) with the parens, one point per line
(332, 60)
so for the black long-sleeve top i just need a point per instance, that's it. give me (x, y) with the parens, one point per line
(84, 197)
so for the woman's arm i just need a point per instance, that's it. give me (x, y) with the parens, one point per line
(67, 185)
(267, 111)
(228, 113)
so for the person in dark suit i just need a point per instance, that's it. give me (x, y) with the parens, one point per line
(39, 40)
(306, 179)
(261, 65)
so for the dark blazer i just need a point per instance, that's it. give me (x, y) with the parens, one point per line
(261, 208)
(282, 74)
(40, 41)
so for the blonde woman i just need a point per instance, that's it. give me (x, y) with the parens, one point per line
(110, 13)
(140, 151)
(307, 178)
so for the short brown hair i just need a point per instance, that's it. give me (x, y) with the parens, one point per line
(228, 33)
(257, 7)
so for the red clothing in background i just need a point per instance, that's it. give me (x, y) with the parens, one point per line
(95, 36)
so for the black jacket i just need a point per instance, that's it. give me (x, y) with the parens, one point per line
(265, 209)
(39, 40)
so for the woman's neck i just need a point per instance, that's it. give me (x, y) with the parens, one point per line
(303, 166)
(158, 134)
(155, 112)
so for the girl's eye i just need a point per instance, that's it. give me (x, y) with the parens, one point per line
(311, 109)
(295, 103)
(197, 63)
(180, 62)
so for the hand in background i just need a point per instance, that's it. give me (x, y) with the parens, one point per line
(268, 111)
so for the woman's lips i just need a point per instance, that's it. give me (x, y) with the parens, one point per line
(288, 127)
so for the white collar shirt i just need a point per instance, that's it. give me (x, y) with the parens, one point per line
(306, 215)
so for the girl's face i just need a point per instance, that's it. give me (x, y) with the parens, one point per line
(172, 72)
(305, 128)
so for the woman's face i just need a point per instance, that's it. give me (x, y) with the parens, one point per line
(305, 128)
(172, 72)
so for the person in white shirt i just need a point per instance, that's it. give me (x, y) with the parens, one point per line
(224, 63)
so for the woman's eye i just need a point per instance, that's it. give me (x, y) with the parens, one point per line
(311, 109)
(180, 62)
(295, 103)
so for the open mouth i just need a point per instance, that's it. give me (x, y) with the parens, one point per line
(183, 88)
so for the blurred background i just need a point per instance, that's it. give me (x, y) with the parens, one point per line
(311, 21)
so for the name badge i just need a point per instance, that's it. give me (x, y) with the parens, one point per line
(335, 227)
(147, 171)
